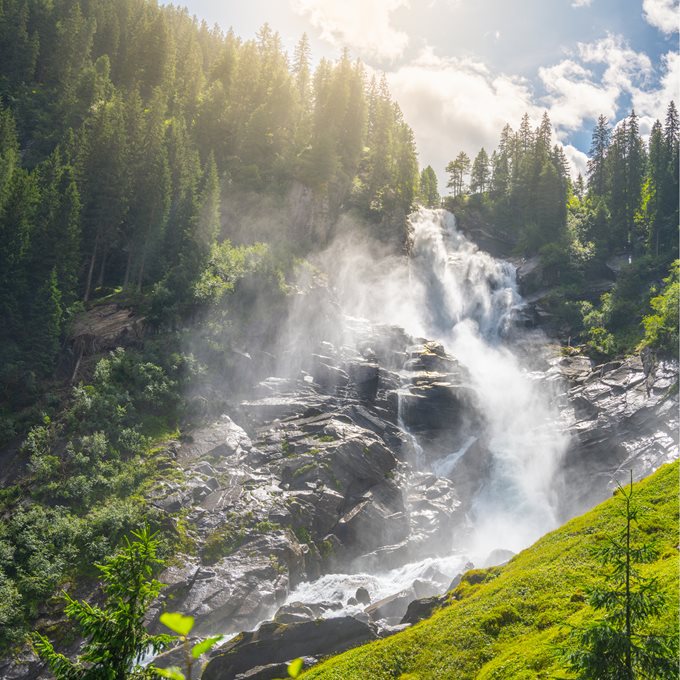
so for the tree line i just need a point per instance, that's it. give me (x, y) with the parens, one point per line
(121, 126)
(622, 217)
(627, 203)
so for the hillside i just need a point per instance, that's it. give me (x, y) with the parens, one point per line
(506, 622)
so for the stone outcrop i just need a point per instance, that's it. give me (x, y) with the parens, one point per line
(276, 643)
(621, 415)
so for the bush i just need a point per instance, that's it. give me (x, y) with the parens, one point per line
(661, 327)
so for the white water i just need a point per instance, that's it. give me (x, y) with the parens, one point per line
(468, 301)
(339, 588)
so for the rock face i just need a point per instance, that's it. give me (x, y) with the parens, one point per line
(320, 482)
(274, 643)
(622, 415)
(322, 475)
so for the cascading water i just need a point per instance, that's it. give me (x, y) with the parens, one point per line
(453, 293)
(468, 302)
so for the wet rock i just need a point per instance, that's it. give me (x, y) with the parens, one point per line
(362, 596)
(364, 378)
(620, 416)
(423, 608)
(220, 439)
(390, 607)
(498, 557)
(239, 590)
(293, 612)
(276, 643)
(424, 589)
(274, 671)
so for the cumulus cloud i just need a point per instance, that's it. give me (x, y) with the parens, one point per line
(651, 104)
(662, 14)
(581, 3)
(578, 160)
(576, 93)
(458, 105)
(365, 25)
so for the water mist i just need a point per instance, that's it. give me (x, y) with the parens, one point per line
(469, 301)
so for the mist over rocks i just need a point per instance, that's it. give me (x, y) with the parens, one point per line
(380, 458)
(374, 448)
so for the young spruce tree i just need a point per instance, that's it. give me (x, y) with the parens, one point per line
(618, 644)
(115, 635)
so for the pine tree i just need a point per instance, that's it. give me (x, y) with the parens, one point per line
(618, 645)
(597, 171)
(116, 638)
(480, 174)
(429, 195)
(44, 322)
(457, 170)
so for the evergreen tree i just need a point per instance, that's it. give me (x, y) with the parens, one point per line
(429, 195)
(116, 639)
(597, 170)
(480, 174)
(457, 170)
(44, 322)
(617, 644)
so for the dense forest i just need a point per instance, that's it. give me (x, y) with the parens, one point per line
(122, 125)
(127, 132)
(623, 219)
(130, 134)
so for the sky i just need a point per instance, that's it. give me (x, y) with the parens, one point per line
(461, 69)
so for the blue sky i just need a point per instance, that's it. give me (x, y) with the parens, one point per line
(460, 69)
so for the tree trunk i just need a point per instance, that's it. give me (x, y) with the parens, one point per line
(128, 267)
(90, 270)
(102, 269)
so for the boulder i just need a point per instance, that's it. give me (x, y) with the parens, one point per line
(498, 557)
(362, 596)
(421, 609)
(390, 607)
(274, 643)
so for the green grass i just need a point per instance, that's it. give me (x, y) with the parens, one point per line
(509, 622)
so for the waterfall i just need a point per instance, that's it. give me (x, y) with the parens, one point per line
(467, 300)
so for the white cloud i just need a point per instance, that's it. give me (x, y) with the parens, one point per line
(662, 14)
(652, 104)
(574, 95)
(364, 25)
(577, 94)
(581, 3)
(578, 160)
(458, 105)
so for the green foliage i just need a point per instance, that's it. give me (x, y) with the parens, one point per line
(661, 327)
(116, 638)
(177, 623)
(87, 467)
(295, 667)
(618, 643)
(429, 193)
(508, 622)
(182, 625)
(120, 131)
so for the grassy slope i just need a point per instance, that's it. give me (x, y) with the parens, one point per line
(509, 625)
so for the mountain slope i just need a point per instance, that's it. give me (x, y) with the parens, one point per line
(506, 622)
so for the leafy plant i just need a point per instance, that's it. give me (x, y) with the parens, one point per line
(116, 639)
(182, 625)
(661, 327)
